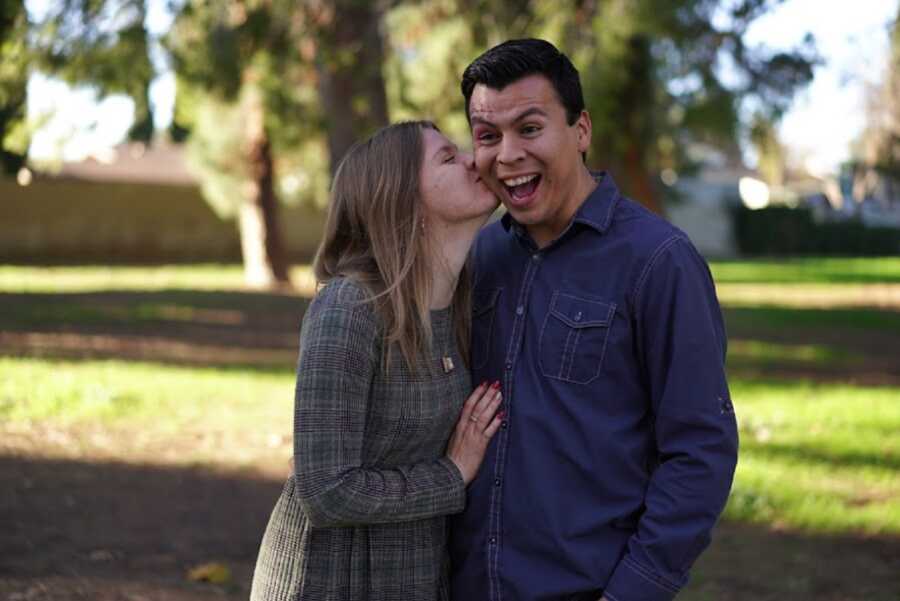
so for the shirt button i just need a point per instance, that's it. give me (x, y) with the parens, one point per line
(503, 425)
(520, 309)
(536, 257)
(496, 481)
(578, 316)
(509, 365)
(493, 540)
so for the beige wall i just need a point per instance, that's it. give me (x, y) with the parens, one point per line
(72, 221)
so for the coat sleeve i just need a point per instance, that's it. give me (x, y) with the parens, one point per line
(339, 356)
(681, 340)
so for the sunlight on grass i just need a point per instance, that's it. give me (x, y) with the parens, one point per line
(757, 350)
(143, 278)
(822, 296)
(808, 270)
(166, 398)
(818, 457)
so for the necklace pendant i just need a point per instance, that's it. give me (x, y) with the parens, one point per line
(447, 362)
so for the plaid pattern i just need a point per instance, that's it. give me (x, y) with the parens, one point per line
(363, 517)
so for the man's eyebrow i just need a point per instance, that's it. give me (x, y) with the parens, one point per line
(529, 112)
(523, 115)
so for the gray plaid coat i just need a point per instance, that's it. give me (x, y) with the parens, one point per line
(363, 517)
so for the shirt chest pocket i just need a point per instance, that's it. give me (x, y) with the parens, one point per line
(573, 338)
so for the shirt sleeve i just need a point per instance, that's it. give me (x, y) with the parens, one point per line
(681, 339)
(339, 355)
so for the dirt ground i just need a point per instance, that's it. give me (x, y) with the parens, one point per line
(76, 531)
(125, 529)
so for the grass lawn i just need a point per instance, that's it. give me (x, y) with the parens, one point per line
(813, 457)
(840, 270)
(180, 371)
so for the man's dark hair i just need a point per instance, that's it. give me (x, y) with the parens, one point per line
(515, 59)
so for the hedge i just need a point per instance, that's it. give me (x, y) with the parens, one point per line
(786, 231)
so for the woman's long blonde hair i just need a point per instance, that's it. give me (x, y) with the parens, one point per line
(376, 234)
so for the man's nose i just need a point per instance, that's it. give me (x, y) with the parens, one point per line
(510, 150)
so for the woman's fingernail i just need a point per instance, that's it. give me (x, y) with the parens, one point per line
(501, 414)
(496, 384)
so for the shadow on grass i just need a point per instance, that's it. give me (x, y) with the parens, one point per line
(819, 455)
(835, 345)
(173, 326)
(93, 530)
(778, 317)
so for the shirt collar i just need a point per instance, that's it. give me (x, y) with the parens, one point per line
(596, 211)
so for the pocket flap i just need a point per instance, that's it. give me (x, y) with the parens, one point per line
(484, 300)
(581, 312)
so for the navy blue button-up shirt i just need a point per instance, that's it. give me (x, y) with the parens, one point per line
(619, 442)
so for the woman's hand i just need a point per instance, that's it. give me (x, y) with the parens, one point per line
(478, 422)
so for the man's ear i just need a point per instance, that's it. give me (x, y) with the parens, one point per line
(584, 128)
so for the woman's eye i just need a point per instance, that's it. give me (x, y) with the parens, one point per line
(450, 158)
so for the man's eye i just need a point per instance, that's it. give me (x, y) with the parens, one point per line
(530, 129)
(486, 137)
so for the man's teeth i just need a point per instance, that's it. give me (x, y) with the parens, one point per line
(519, 180)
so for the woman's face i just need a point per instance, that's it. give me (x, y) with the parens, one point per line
(452, 190)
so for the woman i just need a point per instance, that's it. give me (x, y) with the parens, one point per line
(383, 381)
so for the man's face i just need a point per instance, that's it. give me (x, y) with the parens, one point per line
(528, 154)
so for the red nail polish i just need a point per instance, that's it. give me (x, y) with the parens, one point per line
(496, 385)
(501, 414)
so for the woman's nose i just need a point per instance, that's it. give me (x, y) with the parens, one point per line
(468, 159)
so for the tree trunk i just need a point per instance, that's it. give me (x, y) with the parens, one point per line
(637, 107)
(351, 85)
(265, 265)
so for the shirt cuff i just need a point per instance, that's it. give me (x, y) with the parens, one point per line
(632, 581)
(458, 492)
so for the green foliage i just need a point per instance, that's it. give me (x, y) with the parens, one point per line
(651, 71)
(227, 54)
(103, 44)
(764, 136)
(14, 71)
(784, 231)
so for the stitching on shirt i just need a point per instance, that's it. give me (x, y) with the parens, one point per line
(496, 500)
(571, 358)
(609, 320)
(649, 576)
(610, 596)
(541, 335)
(638, 288)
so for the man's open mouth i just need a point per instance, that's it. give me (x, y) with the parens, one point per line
(521, 188)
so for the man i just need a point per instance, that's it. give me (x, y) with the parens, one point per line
(601, 322)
